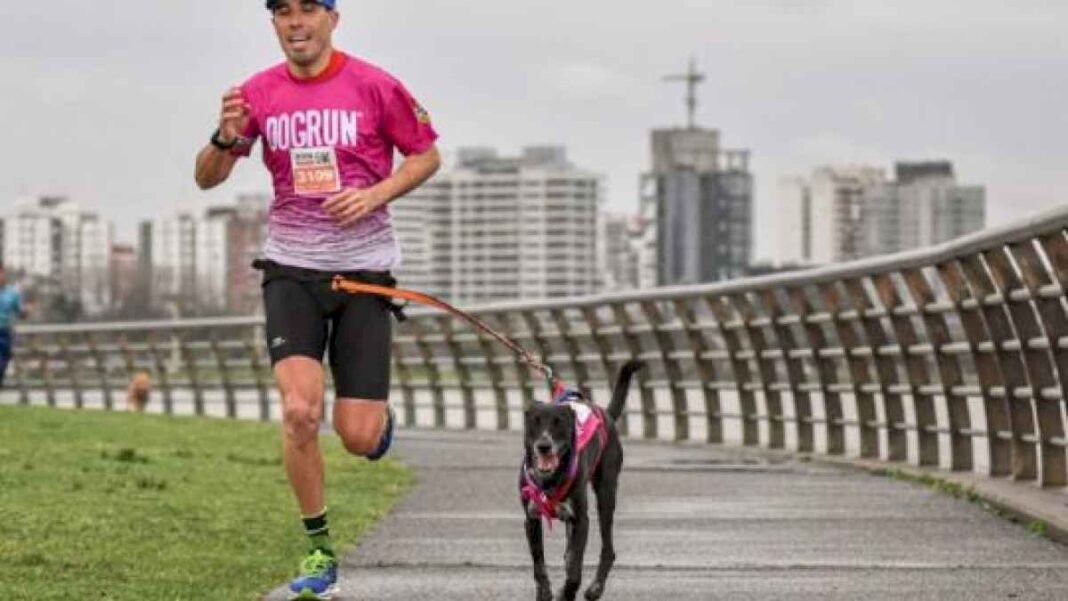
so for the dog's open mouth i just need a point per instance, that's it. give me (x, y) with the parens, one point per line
(547, 463)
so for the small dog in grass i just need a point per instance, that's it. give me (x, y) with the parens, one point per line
(568, 444)
(138, 391)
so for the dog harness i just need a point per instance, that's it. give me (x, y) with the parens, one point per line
(590, 421)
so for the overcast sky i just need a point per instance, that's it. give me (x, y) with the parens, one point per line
(109, 101)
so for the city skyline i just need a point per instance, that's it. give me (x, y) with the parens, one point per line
(803, 84)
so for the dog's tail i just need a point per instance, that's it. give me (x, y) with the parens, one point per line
(619, 393)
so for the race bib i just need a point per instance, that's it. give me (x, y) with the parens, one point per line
(315, 171)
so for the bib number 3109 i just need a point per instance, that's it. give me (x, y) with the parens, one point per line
(315, 171)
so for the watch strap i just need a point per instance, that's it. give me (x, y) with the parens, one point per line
(217, 143)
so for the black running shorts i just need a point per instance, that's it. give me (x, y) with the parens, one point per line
(305, 318)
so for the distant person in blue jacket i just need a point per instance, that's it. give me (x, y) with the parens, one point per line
(10, 310)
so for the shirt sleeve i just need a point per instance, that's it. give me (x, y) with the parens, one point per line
(405, 122)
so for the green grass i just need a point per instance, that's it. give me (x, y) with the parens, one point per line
(119, 506)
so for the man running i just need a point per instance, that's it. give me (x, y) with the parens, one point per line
(10, 309)
(329, 124)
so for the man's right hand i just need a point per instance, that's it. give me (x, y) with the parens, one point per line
(233, 119)
(213, 165)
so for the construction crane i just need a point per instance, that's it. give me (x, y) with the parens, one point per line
(692, 79)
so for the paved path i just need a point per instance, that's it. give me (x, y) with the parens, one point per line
(698, 523)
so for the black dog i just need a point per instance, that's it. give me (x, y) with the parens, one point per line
(554, 476)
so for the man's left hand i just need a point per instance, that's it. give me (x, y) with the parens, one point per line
(352, 205)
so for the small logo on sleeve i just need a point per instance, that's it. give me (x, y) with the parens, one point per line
(420, 114)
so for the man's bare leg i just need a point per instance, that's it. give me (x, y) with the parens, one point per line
(301, 380)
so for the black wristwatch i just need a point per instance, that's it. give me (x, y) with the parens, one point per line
(217, 143)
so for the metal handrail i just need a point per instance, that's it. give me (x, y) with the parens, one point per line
(964, 343)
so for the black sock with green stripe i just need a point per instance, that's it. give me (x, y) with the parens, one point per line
(319, 533)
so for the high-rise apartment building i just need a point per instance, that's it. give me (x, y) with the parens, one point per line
(699, 200)
(925, 206)
(423, 224)
(171, 244)
(61, 249)
(211, 261)
(820, 219)
(502, 228)
(204, 263)
(844, 213)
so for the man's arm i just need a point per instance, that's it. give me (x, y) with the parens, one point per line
(413, 172)
(214, 164)
(350, 206)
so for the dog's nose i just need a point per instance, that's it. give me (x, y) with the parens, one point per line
(544, 447)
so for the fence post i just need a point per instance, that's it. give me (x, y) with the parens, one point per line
(825, 368)
(164, 375)
(493, 369)
(916, 366)
(860, 376)
(995, 409)
(445, 325)
(795, 365)
(730, 323)
(224, 376)
(665, 349)
(404, 373)
(996, 315)
(762, 349)
(879, 342)
(706, 369)
(1038, 361)
(648, 395)
(254, 346)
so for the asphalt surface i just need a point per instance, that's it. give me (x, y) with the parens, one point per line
(697, 523)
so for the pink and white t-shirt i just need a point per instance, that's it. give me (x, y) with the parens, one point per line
(320, 136)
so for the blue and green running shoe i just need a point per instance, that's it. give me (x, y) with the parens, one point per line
(318, 577)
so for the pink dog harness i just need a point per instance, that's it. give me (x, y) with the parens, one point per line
(590, 421)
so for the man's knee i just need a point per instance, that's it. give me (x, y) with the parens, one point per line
(359, 439)
(360, 431)
(301, 417)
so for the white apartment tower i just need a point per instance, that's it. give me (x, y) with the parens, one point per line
(172, 247)
(502, 228)
(203, 263)
(844, 213)
(61, 248)
(820, 218)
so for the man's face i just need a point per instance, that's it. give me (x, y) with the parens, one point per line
(3, 278)
(304, 30)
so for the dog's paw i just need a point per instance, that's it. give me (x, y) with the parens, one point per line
(567, 593)
(565, 511)
(595, 591)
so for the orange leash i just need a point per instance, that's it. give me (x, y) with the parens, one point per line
(341, 284)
